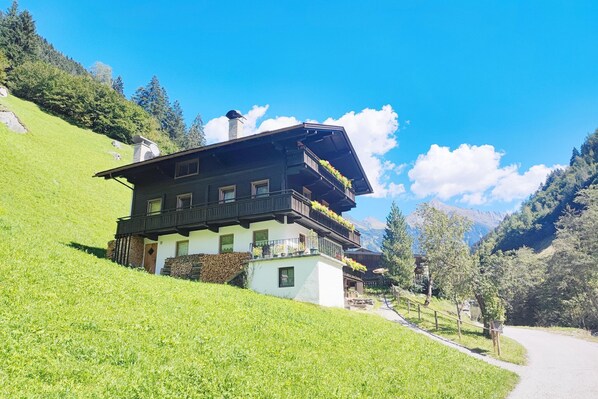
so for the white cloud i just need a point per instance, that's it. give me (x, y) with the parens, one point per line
(472, 174)
(516, 186)
(372, 133)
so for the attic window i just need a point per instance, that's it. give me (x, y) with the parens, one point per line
(187, 168)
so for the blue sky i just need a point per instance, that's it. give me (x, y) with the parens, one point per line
(500, 88)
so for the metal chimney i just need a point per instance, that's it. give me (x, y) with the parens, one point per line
(235, 124)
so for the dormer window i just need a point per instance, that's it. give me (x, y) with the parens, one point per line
(187, 168)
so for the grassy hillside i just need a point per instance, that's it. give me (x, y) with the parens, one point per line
(73, 325)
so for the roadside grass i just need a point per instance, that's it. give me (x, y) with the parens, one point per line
(569, 331)
(472, 337)
(73, 325)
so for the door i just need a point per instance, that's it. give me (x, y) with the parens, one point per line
(149, 257)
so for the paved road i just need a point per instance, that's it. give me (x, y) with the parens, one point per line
(559, 366)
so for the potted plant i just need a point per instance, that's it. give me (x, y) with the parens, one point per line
(278, 250)
(257, 252)
(301, 249)
(266, 250)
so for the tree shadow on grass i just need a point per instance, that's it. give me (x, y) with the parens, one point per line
(95, 251)
(480, 351)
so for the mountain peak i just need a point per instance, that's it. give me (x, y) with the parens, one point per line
(372, 229)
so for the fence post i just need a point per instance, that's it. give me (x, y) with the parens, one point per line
(436, 319)
(419, 313)
(408, 306)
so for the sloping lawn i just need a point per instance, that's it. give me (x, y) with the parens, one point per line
(73, 325)
(472, 337)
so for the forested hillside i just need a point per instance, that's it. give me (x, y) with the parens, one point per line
(533, 225)
(34, 70)
(558, 286)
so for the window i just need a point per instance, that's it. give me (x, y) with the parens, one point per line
(286, 277)
(187, 168)
(260, 237)
(227, 194)
(227, 243)
(183, 201)
(182, 248)
(306, 193)
(260, 188)
(154, 206)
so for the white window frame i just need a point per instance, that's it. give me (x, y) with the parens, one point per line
(149, 202)
(221, 191)
(255, 184)
(179, 206)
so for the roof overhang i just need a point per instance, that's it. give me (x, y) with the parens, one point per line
(326, 141)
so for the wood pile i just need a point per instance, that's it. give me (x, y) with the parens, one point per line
(135, 251)
(218, 268)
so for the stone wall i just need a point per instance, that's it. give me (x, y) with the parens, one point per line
(218, 268)
(136, 249)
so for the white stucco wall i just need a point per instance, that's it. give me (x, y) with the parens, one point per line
(331, 282)
(207, 242)
(318, 279)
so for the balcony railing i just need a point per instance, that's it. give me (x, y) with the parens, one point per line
(248, 209)
(313, 162)
(295, 247)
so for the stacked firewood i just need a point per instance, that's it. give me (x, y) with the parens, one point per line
(218, 268)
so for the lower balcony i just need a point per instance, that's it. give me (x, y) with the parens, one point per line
(243, 211)
(296, 247)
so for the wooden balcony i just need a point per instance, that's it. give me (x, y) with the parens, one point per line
(242, 212)
(312, 163)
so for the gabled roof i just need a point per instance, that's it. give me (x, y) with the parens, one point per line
(326, 141)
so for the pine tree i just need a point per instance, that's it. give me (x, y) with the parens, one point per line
(574, 156)
(119, 86)
(17, 35)
(154, 100)
(397, 254)
(175, 123)
(196, 136)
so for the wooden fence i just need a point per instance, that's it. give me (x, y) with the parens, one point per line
(495, 327)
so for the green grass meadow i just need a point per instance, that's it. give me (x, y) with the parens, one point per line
(472, 337)
(73, 325)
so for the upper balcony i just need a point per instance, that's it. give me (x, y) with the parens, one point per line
(242, 211)
(306, 164)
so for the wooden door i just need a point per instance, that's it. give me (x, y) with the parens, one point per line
(149, 258)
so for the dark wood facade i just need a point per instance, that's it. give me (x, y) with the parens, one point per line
(287, 159)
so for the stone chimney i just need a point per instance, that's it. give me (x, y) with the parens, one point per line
(235, 124)
(144, 149)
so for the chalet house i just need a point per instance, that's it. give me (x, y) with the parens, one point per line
(277, 195)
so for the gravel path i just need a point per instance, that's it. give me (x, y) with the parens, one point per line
(558, 366)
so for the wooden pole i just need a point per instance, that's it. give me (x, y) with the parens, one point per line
(419, 312)
(493, 339)
(436, 319)
(498, 342)
(408, 306)
(459, 328)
